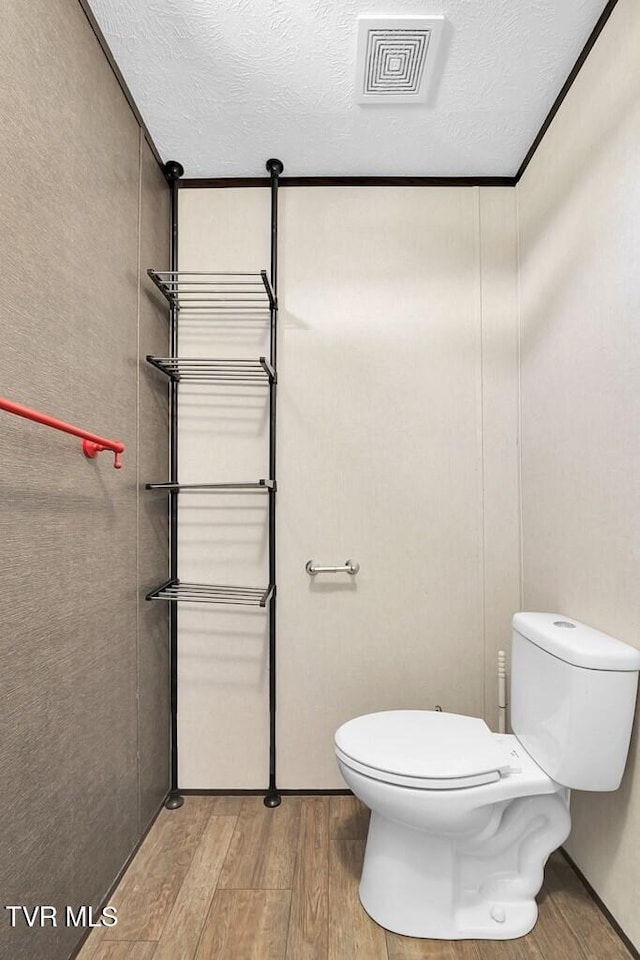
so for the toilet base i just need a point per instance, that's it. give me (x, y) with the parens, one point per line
(469, 923)
(419, 884)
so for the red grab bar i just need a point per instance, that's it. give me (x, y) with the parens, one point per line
(92, 444)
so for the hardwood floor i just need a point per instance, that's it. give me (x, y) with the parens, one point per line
(224, 878)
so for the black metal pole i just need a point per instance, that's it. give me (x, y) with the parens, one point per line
(173, 171)
(273, 799)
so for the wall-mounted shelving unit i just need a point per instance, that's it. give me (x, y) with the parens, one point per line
(215, 293)
(221, 297)
(212, 593)
(260, 486)
(239, 373)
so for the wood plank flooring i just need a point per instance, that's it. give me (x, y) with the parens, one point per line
(224, 878)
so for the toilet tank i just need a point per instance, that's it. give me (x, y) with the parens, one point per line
(573, 695)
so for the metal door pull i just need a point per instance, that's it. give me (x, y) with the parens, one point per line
(349, 567)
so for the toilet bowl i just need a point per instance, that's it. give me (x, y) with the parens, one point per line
(457, 840)
(463, 819)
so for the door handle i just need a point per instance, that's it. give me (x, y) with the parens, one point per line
(348, 567)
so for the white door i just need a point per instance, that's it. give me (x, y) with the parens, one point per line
(379, 462)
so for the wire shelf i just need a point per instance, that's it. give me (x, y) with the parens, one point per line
(258, 486)
(238, 373)
(213, 293)
(175, 590)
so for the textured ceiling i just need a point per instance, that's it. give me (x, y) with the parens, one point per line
(224, 84)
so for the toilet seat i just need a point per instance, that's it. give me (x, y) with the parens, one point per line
(423, 749)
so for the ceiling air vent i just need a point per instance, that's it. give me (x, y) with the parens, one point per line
(396, 56)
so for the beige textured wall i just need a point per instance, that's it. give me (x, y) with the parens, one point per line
(397, 448)
(579, 213)
(83, 761)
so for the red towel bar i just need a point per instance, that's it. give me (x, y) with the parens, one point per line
(92, 444)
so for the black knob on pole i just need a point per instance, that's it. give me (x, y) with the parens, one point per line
(173, 170)
(275, 167)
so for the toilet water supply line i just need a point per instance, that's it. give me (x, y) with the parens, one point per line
(502, 692)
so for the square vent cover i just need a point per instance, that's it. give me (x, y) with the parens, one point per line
(396, 57)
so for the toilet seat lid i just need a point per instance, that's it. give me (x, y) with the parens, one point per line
(424, 744)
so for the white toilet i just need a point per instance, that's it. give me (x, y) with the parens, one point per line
(463, 819)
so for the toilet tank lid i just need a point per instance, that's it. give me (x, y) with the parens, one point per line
(575, 642)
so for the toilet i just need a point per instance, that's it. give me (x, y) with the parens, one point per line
(463, 819)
